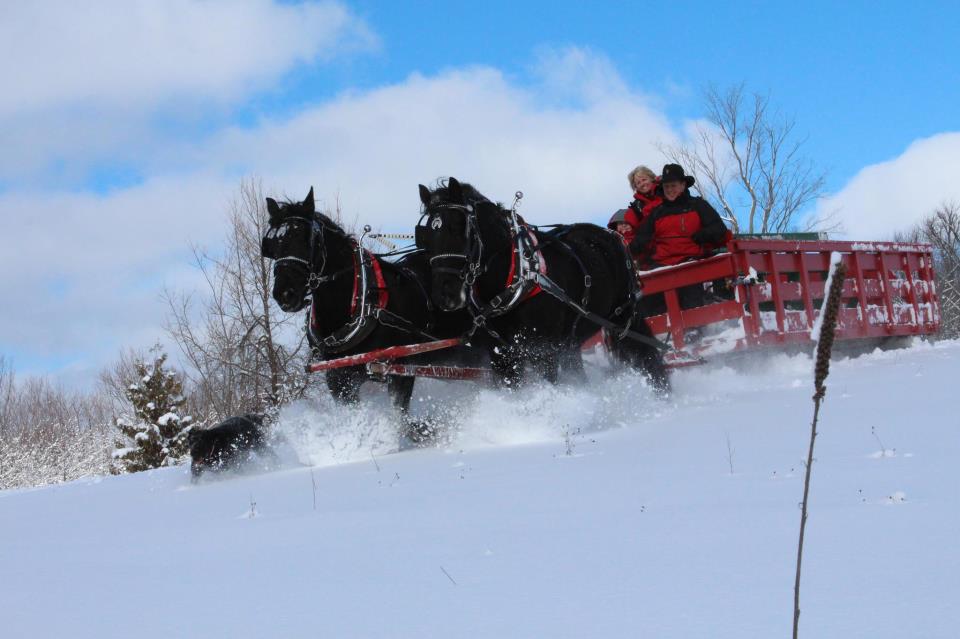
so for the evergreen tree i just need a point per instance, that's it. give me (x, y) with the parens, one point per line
(155, 434)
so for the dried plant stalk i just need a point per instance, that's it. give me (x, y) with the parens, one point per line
(831, 310)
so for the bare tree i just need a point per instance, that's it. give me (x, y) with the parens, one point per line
(6, 392)
(243, 353)
(748, 162)
(115, 380)
(941, 228)
(48, 434)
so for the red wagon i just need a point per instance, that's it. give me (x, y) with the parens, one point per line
(759, 293)
(767, 293)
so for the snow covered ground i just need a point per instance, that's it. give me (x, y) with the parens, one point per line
(593, 511)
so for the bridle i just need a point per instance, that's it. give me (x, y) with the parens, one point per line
(526, 262)
(472, 258)
(315, 238)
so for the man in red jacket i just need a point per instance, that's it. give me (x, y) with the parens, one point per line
(683, 227)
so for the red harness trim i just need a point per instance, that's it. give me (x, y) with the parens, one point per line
(383, 295)
(536, 290)
(356, 284)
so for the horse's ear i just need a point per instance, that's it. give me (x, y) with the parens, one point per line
(308, 202)
(455, 190)
(272, 207)
(424, 195)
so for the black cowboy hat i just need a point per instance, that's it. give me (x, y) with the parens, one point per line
(674, 173)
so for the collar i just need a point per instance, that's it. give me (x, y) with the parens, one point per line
(369, 297)
(526, 261)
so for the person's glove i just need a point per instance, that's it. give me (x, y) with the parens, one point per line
(700, 237)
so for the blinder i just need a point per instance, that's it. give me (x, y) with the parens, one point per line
(276, 245)
(268, 245)
(423, 237)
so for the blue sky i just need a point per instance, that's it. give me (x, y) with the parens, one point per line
(846, 70)
(129, 124)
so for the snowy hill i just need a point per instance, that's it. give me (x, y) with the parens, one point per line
(567, 512)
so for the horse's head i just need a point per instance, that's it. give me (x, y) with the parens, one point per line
(295, 242)
(449, 233)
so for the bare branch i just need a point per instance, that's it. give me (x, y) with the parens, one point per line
(243, 351)
(749, 163)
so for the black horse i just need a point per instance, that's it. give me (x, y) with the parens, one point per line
(536, 295)
(359, 302)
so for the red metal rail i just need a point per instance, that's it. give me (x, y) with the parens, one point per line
(451, 373)
(383, 354)
(778, 289)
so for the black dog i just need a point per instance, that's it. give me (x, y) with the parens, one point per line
(228, 444)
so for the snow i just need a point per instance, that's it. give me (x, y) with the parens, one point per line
(166, 418)
(886, 247)
(585, 511)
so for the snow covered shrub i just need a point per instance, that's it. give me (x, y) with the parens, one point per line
(155, 434)
(59, 455)
(49, 435)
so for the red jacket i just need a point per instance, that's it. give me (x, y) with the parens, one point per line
(624, 216)
(635, 214)
(680, 230)
(642, 205)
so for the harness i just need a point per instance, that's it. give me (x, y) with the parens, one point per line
(369, 299)
(526, 260)
(528, 277)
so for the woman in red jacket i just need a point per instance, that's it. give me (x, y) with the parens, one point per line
(646, 197)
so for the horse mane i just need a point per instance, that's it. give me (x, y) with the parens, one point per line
(330, 225)
(290, 207)
(472, 196)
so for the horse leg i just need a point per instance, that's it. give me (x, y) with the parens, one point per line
(652, 364)
(644, 357)
(344, 384)
(571, 363)
(507, 366)
(400, 389)
(418, 431)
(546, 359)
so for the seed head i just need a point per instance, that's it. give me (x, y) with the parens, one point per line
(827, 329)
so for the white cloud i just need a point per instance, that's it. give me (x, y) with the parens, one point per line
(83, 272)
(374, 148)
(89, 267)
(86, 82)
(132, 53)
(578, 73)
(894, 195)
